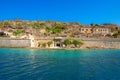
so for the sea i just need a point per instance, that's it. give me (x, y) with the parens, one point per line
(36, 64)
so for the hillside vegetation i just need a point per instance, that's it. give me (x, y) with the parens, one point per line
(51, 28)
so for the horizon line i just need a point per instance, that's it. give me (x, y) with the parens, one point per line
(57, 21)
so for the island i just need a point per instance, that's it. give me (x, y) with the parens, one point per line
(58, 35)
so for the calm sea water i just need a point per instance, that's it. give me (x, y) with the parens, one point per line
(34, 64)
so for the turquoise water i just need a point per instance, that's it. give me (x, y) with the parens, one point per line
(34, 64)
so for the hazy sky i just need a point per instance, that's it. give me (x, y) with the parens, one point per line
(83, 11)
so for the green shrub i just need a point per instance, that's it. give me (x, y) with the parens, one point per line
(67, 42)
(17, 32)
(44, 45)
(39, 44)
(77, 42)
(116, 34)
(49, 43)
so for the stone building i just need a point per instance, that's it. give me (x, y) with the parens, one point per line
(95, 31)
(57, 42)
(86, 30)
(101, 31)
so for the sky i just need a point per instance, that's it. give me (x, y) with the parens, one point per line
(82, 11)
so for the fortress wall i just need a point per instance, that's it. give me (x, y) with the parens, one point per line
(93, 43)
(14, 43)
(101, 44)
(88, 43)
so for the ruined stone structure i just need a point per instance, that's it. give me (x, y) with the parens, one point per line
(95, 31)
(57, 42)
(86, 30)
(102, 31)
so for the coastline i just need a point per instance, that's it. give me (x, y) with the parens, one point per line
(89, 43)
(61, 48)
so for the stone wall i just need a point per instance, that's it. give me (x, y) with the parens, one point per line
(14, 43)
(91, 42)
(88, 43)
(102, 43)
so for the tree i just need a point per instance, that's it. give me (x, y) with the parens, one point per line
(113, 28)
(42, 24)
(56, 30)
(6, 24)
(72, 35)
(67, 42)
(39, 44)
(1, 24)
(92, 24)
(59, 26)
(48, 29)
(36, 25)
(49, 43)
(43, 45)
(116, 35)
(77, 42)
